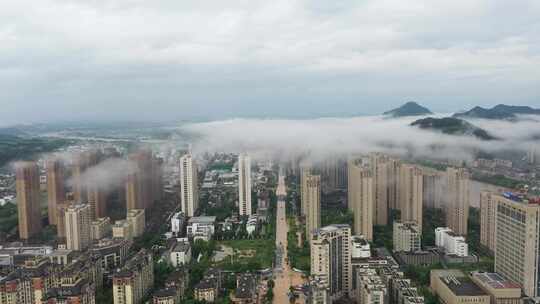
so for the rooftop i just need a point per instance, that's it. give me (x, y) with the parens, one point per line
(202, 219)
(494, 280)
(462, 286)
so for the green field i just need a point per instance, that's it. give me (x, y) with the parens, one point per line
(262, 253)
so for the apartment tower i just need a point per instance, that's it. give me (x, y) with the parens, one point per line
(488, 213)
(313, 202)
(28, 199)
(331, 258)
(55, 188)
(78, 220)
(360, 198)
(305, 171)
(457, 206)
(188, 185)
(410, 193)
(244, 185)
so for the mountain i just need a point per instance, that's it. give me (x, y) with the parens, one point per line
(452, 126)
(500, 111)
(410, 108)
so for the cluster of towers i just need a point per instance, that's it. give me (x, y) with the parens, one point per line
(77, 182)
(378, 184)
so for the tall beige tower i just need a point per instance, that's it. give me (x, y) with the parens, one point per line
(488, 212)
(244, 185)
(189, 191)
(410, 193)
(78, 219)
(55, 188)
(331, 258)
(360, 198)
(457, 206)
(384, 170)
(313, 203)
(305, 171)
(518, 242)
(28, 199)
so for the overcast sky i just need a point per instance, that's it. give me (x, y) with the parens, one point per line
(172, 59)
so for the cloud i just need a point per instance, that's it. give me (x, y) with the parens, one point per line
(107, 175)
(321, 138)
(168, 59)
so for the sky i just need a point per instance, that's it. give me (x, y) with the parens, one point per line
(170, 60)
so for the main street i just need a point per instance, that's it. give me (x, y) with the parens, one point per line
(285, 277)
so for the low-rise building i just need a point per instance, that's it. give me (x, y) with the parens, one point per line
(370, 288)
(206, 290)
(180, 254)
(500, 290)
(453, 244)
(454, 287)
(123, 230)
(112, 251)
(246, 291)
(178, 222)
(134, 281)
(201, 227)
(406, 236)
(360, 247)
(319, 291)
(81, 292)
(100, 228)
(136, 218)
(252, 223)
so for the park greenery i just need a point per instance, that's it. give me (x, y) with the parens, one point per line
(299, 256)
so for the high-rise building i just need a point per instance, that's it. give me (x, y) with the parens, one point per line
(305, 171)
(457, 207)
(313, 202)
(28, 199)
(141, 182)
(381, 183)
(244, 185)
(61, 219)
(189, 191)
(334, 174)
(55, 188)
(360, 197)
(78, 219)
(370, 288)
(331, 258)
(410, 193)
(406, 236)
(123, 229)
(134, 281)
(488, 212)
(517, 249)
(97, 198)
(80, 163)
(434, 183)
(136, 218)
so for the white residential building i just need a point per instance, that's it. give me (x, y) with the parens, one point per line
(244, 184)
(178, 221)
(180, 254)
(453, 244)
(188, 185)
(360, 247)
(201, 227)
(252, 224)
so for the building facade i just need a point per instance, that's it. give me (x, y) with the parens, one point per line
(457, 207)
(244, 185)
(361, 199)
(189, 191)
(410, 193)
(77, 219)
(28, 199)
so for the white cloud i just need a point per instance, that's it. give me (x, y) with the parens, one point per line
(177, 54)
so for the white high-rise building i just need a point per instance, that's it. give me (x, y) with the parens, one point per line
(244, 184)
(188, 185)
(331, 258)
(77, 220)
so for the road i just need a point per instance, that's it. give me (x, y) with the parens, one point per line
(285, 277)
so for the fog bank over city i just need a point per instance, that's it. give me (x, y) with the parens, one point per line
(323, 137)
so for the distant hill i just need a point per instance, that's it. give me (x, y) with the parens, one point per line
(452, 126)
(500, 111)
(410, 108)
(12, 131)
